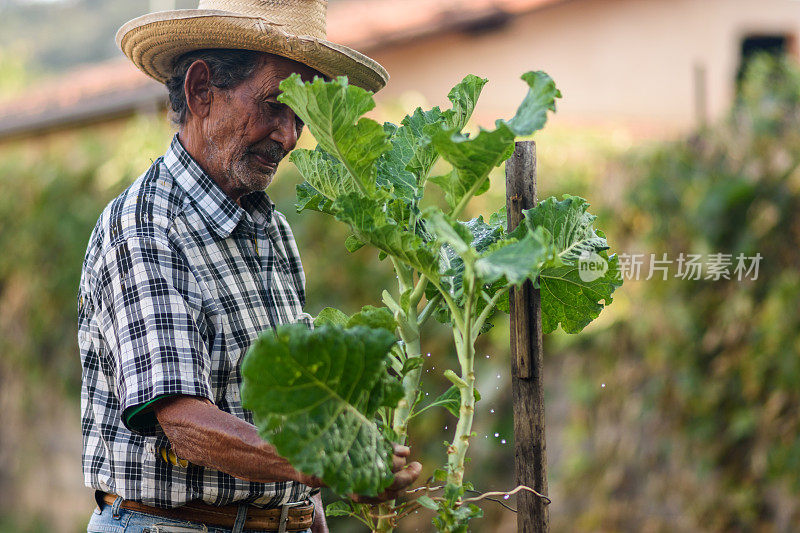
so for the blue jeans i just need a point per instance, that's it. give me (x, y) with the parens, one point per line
(112, 519)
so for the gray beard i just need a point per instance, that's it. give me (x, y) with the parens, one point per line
(239, 176)
(246, 178)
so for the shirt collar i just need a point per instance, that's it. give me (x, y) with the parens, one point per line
(219, 210)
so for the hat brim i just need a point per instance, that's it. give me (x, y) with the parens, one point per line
(154, 41)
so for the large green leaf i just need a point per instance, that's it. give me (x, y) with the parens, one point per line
(464, 97)
(330, 316)
(569, 297)
(406, 166)
(570, 226)
(415, 133)
(310, 198)
(323, 172)
(479, 236)
(475, 235)
(373, 317)
(486, 235)
(541, 98)
(473, 158)
(549, 243)
(370, 222)
(369, 316)
(517, 260)
(573, 302)
(314, 395)
(330, 110)
(392, 165)
(457, 236)
(553, 242)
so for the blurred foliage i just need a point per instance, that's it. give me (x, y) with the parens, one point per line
(49, 204)
(703, 375)
(62, 34)
(16, 73)
(51, 194)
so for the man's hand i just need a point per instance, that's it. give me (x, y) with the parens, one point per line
(405, 475)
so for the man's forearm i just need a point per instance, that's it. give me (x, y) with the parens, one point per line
(206, 436)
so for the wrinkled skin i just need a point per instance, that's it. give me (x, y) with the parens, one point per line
(238, 136)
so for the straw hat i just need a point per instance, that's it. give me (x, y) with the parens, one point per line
(290, 28)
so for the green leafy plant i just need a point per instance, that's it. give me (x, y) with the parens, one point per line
(332, 399)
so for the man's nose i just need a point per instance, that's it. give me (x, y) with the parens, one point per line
(286, 131)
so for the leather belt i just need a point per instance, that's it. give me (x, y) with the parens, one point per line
(298, 518)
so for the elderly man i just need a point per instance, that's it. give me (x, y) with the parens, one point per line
(188, 265)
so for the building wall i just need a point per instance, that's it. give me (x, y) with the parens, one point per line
(630, 62)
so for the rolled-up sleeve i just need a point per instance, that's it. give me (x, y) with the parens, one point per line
(151, 319)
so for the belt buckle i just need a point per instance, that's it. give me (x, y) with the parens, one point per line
(285, 513)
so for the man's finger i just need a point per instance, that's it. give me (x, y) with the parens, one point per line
(402, 479)
(402, 451)
(406, 477)
(398, 463)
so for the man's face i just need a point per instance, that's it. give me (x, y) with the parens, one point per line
(247, 131)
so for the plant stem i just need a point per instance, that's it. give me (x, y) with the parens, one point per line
(418, 292)
(409, 333)
(432, 304)
(458, 449)
(455, 311)
(487, 311)
(466, 198)
(385, 524)
(465, 348)
(410, 380)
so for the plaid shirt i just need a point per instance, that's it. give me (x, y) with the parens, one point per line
(178, 280)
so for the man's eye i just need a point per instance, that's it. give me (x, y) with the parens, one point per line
(277, 106)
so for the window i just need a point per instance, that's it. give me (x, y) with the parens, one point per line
(757, 44)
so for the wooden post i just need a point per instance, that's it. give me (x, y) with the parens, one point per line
(530, 459)
(700, 95)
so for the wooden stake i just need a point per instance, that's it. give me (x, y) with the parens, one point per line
(530, 458)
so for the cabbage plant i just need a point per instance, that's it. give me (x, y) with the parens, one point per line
(333, 398)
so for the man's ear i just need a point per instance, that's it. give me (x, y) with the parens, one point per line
(197, 88)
